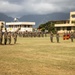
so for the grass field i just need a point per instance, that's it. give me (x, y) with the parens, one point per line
(38, 56)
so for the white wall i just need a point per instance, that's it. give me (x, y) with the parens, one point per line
(21, 30)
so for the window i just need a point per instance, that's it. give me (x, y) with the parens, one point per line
(73, 16)
(68, 28)
(63, 28)
(73, 22)
(28, 25)
(24, 25)
(58, 28)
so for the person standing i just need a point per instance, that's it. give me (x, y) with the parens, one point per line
(9, 37)
(57, 37)
(1, 36)
(51, 37)
(5, 37)
(15, 37)
(71, 37)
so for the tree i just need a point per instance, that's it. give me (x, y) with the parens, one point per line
(47, 26)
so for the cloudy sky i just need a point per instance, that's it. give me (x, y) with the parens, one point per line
(18, 8)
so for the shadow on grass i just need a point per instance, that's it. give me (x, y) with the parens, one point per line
(10, 44)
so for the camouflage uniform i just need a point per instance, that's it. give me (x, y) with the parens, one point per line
(51, 37)
(9, 37)
(71, 36)
(57, 37)
(5, 37)
(1, 36)
(15, 37)
(45, 34)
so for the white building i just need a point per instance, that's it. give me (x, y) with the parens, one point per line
(25, 26)
(67, 27)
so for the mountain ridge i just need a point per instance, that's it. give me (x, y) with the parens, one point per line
(4, 17)
(38, 19)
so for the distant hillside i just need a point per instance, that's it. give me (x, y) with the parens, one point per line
(5, 18)
(39, 19)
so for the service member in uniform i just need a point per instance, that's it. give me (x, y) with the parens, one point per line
(15, 37)
(5, 36)
(57, 37)
(1, 36)
(71, 37)
(51, 37)
(9, 37)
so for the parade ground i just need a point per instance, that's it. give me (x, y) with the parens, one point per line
(38, 56)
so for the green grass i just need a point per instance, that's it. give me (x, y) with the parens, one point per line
(38, 56)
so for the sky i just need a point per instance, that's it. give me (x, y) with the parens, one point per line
(18, 8)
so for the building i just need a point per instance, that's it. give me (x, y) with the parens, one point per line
(25, 26)
(68, 26)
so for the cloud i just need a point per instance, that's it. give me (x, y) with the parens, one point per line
(17, 8)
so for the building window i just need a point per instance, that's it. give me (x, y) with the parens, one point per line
(63, 28)
(73, 16)
(20, 25)
(9, 25)
(74, 28)
(58, 28)
(68, 28)
(73, 22)
(28, 26)
(16, 26)
(24, 25)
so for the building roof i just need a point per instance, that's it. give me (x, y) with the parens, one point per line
(20, 23)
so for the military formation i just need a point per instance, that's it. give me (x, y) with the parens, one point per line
(32, 34)
(6, 37)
